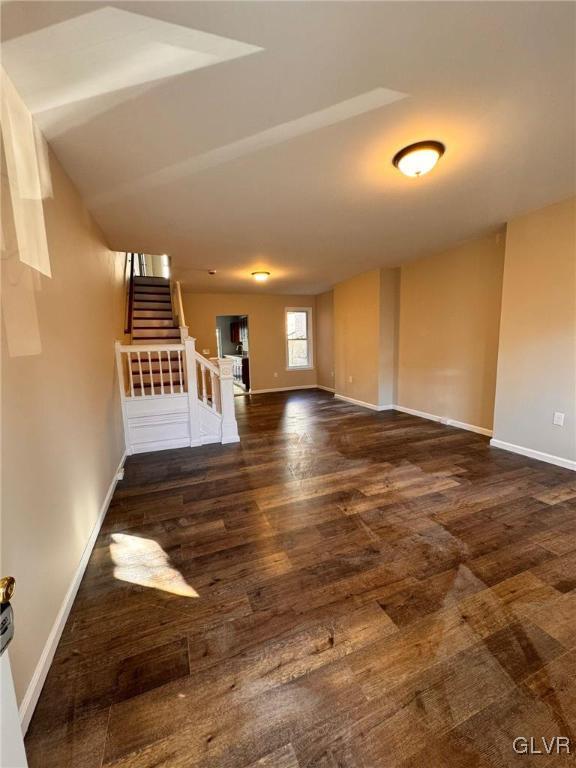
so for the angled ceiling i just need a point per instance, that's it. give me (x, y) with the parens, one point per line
(245, 135)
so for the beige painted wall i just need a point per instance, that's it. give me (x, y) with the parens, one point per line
(62, 437)
(389, 325)
(448, 338)
(325, 339)
(537, 357)
(266, 332)
(356, 336)
(365, 311)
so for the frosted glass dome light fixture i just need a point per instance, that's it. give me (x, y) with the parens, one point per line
(260, 276)
(418, 159)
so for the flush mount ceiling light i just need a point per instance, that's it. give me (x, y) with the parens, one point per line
(260, 276)
(418, 159)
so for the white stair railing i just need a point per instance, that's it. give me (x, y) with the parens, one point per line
(150, 370)
(163, 386)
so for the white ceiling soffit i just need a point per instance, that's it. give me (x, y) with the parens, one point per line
(107, 50)
(336, 113)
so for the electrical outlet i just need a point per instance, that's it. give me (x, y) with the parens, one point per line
(349, 379)
(332, 374)
(558, 419)
(205, 351)
(275, 374)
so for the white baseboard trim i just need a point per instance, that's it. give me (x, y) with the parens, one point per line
(326, 389)
(532, 454)
(363, 404)
(444, 420)
(30, 699)
(281, 389)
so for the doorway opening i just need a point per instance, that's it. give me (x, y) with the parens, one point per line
(232, 342)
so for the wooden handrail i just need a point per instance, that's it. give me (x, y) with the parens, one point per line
(179, 304)
(130, 302)
(207, 363)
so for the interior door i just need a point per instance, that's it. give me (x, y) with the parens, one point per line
(12, 754)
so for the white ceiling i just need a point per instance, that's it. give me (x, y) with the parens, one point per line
(245, 135)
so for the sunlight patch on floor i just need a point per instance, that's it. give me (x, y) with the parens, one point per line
(143, 561)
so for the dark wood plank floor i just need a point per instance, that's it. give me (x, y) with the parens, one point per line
(343, 589)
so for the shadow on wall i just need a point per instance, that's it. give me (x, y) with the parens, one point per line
(26, 183)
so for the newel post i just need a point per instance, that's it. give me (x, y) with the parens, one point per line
(192, 387)
(229, 426)
(122, 386)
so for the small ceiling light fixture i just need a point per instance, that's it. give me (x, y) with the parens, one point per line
(260, 276)
(418, 159)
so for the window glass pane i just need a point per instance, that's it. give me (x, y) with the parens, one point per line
(297, 353)
(297, 325)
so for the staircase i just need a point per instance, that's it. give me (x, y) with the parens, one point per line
(153, 323)
(171, 396)
(152, 317)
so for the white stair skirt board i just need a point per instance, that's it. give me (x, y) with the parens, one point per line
(444, 420)
(326, 389)
(158, 423)
(281, 389)
(34, 689)
(363, 404)
(532, 454)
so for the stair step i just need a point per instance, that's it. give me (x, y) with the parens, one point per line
(166, 306)
(157, 340)
(157, 332)
(164, 289)
(152, 314)
(153, 322)
(151, 281)
(165, 297)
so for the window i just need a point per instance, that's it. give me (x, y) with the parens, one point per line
(299, 338)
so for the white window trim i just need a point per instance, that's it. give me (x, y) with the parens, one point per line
(310, 329)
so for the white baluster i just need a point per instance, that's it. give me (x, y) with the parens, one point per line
(161, 373)
(180, 372)
(217, 396)
(141, 375)
(151, 376)
(170, 373)
(131, 377)
(204, 394)
(212, 388)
